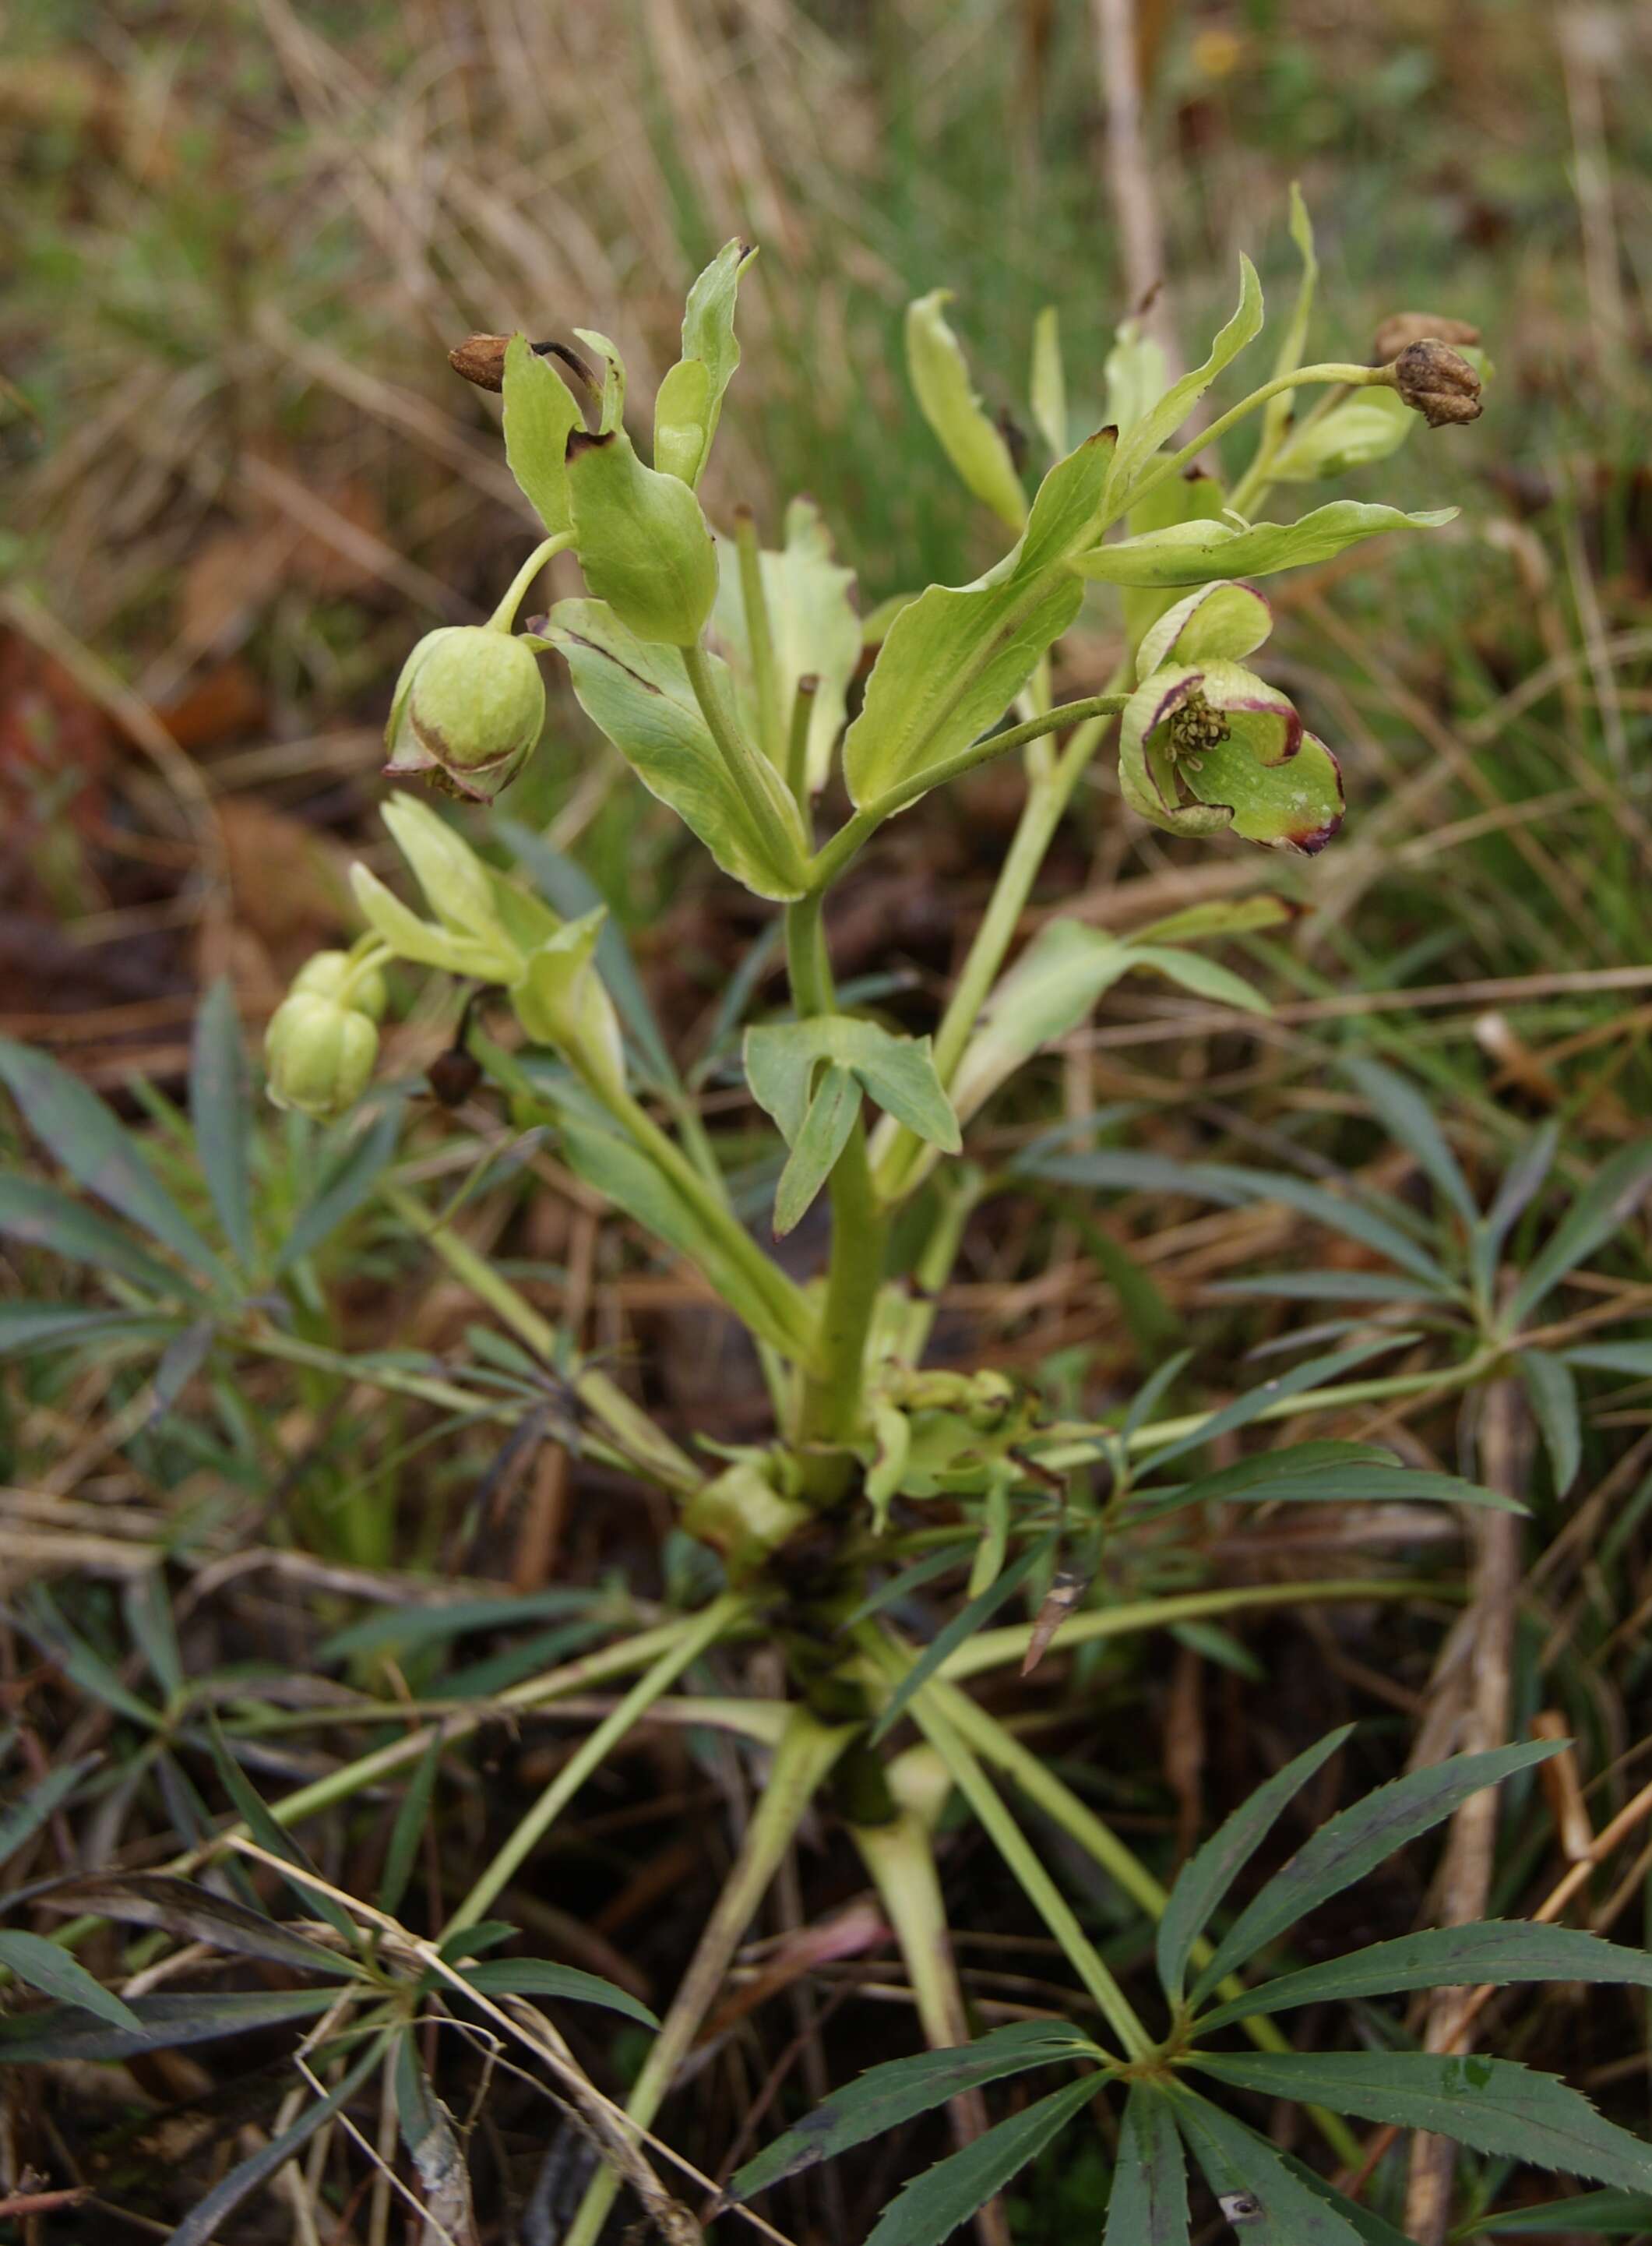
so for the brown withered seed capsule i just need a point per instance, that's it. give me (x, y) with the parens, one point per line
(480, 359)
(1401, 329)
(1437, 383)
(454, 1075)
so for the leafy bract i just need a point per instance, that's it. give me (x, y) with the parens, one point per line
(690, 401)
(1159, 421)
(1194, 553)
(638, 693)
(813, 624)
(969, 435)
(540, 414)
(821, 1138)
(898, 1072)
(953, 662)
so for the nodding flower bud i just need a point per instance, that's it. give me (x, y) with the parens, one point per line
(326, 973)
(1437, 383)
(319, 1052)
(468, 712)
(1400, 328)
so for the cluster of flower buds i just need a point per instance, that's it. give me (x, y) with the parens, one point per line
(322, 1039)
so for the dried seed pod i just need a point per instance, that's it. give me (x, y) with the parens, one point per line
(480, 359)
(1437, 383)
(1401, 329)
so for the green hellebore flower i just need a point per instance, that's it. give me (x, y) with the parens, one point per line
(468, 710)
(1207, 745)
(327, 973)
(319, 1052)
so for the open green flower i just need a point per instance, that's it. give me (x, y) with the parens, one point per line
(1206, 745)
(468, 710)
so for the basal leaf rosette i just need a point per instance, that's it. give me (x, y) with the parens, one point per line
(1206, 745)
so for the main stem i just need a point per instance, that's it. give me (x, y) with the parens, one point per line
(830, 1409)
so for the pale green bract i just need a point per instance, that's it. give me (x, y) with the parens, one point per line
(690, 401)
(969, 435)
(1194, 553)
(813, 624)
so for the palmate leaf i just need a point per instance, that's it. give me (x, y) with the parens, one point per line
(1318, 1372)
(932, 2205)
(57, 1972)
(1206, 1876)
(1266, 2202)
(884, 2096)
(1372, 2228)
(1501, 1951)
(1319, 1473)
(1148, 2205)
(1490, 2104)
(1358, 1840)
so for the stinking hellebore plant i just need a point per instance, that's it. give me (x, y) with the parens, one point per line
(720, 671)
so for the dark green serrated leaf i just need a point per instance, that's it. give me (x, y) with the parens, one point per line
(1594, 2214)
(1318, 1372)
(277, 1841)
(409, 1828)
(408, 1628)
(932, 2205)
(193, 1914)
(536, 1977)
(1492, 2104)
(218, 1110)
(348, 1186)
(20, 1819)
(1633, 1358)
(1371, 2228)
(1553, 1394)
(1592, 1220)
(1206, 1877)
(1265, 2202)
(203, 2222)
(884, 2096)
(1496, 1951)
(1404, 1115)
(75, 1128)
(1521, 1183)
(39, 1216)
(26, 1328)
(962, 1627)
(1358, 1839)
(55, 1972)
(1148, 2204)
(165, 2023)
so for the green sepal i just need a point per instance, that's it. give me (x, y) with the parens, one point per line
(642, 539)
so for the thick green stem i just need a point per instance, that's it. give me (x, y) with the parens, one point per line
(741, 761)
(708, 1626)
(1047, 800)
(830, 1409)
(805, 1755)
